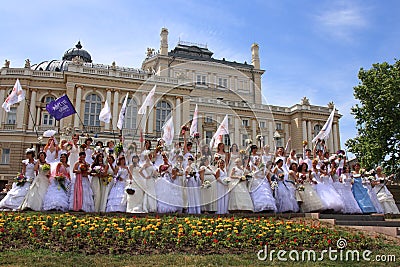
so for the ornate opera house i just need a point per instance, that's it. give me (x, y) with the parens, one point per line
(185, 76)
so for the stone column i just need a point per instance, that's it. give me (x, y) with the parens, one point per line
(37, 115)
(21, 115)
(330, 143)
(304, 129)
(254, 131)
(237, 132)
(336, 144)
(337, 135)
(177, 119)
(200, 118)
(2, 112)
(108, 98)
(78, 106)
(32, 108)
(309, 134)
(115, 110)
(287, 135)
(143, 117)
(271, 135)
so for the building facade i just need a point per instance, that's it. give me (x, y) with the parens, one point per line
(185, 76)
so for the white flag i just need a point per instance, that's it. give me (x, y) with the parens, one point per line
(326, 130)
(168, 132)
(221, 131)
(121, 117)
(193, 127)
(105, 113)
(17, 95)
(148, 101)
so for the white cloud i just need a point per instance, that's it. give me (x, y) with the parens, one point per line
(342, 22)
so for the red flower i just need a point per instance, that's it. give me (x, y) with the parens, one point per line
(295, 240)
(78, 235)
(329, 241)
(215, 240)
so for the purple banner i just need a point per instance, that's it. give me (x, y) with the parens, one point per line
(60, 108)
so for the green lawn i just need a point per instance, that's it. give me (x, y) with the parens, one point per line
(48, 258)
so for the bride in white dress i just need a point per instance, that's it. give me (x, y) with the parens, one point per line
(35, 196)
(239, 196)
(14, 198)
(57, 195)
(117, 197)
(147, 171)
(135, 201)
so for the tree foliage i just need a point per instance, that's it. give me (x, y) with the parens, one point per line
(378, 117)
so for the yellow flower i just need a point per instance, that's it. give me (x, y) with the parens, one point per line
(121, 231)
(75, 226)
(91, 228)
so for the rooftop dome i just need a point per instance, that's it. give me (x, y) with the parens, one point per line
(77, 51)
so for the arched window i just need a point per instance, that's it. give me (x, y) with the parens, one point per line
(92, 110)
(130, 115)
(47, 119)
(163, 111)
(317, 129)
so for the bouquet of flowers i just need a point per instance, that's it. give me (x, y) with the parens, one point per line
(206, 184)
(196, 135)
(46, 167)
(305, 143)
(84, 167)
(242, 152)
(281, 176)
(248, 176)
(226, 181)
(118, 149)
(106, 179)
(68, 146)
(371, 178)
(300, 188)
(159, 148)
(274, 185)
(132, 147)
(261, 166)
(60, 178)
(20, 179)
(99, 170)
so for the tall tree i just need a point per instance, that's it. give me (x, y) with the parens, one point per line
(378, 117)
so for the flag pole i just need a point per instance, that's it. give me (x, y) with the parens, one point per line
(83, 125)
(30, 113)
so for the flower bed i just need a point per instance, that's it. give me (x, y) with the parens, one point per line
(197, 235)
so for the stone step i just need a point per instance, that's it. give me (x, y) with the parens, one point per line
(369, 223)
(353, 217)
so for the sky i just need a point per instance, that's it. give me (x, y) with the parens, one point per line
(307, 48)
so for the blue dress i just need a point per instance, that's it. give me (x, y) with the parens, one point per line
(361, 195)
(285, 196)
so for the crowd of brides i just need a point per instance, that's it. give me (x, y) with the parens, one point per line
(154, 178)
